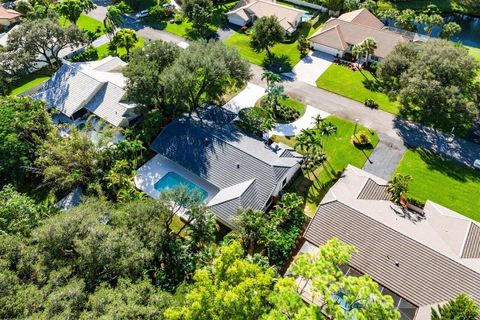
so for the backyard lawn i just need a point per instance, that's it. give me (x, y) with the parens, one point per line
(444, 181)
(340, 152)
(86, 23)
(353, 84)
(31, 81)
(103, 49)
(286, 54)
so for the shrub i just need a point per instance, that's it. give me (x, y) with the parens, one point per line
(90, 54)
(285, 113)
(362, 139)
(370, 103)
(252, 119)
(157, 12)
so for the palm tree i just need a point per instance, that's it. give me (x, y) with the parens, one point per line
(398, 187)
(267, 125)
(113, 19)
(357, 50)
(369, 45)
(324, 128)
(271, 77)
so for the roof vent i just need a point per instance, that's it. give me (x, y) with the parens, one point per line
(207, 141)
(397, 263)
(238, 165)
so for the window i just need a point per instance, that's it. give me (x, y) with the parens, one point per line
(284, 182)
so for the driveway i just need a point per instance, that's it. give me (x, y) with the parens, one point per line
(246, 98)
(304, 122)
(311, 67)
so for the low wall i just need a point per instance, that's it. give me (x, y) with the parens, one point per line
(307, 4)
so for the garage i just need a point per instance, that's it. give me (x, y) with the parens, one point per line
(235, 19)
(325, 49)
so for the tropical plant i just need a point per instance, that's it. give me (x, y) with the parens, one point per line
(275, 93)
(398, 187)
(461, 307)
(357, 50)
(449, 30)
(271, 77)
(368, 46)
(267, 31)
(406, 20)
(113, 19)
(303, 46)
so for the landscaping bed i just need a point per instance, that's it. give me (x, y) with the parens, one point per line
(340, 152)
(449, 183)
(289, 110)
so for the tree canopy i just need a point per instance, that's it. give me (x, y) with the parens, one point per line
(267, 31)
(461, 307)
(23, 122)
(72, 9)
(125, 38)
(435, 83)
(203, 73)
(200, 13)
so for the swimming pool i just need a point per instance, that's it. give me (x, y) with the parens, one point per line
(171, 180)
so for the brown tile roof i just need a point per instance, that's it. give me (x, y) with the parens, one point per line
(353, 33)
(362, 17)
(331, 37)
(471, 248)
(8, 13)
(407, 267)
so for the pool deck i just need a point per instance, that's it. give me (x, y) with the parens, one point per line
(157, 167)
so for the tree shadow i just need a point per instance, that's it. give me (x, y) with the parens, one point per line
(277, 63)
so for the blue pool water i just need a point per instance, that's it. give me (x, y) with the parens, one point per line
(171, 180)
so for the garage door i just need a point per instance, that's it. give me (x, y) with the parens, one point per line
(322, 48)
(234, 19)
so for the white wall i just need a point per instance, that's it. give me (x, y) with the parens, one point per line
(329, 50)
(307, 4)
(289, 175)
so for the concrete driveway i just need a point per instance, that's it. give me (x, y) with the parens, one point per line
(246, 98)
(311, 67)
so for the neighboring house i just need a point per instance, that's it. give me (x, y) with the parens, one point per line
(228, 167)
(338, 36)
(420, 259)
(247, 11)
(79, 89)
(4, 36)
(8, 16)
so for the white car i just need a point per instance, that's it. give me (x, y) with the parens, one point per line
(141, 14)
(476, 164)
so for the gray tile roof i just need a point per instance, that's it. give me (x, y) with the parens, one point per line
(374, 191)
(423, 276)
(471, 248)
(225, 156)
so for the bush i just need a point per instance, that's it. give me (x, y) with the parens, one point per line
(370, 103)
(90, 54)
(286, 114)
(157, 12)
(252, 119)
(362, 139)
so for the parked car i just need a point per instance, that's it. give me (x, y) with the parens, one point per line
(476, 164)
(141, 14)
(168, 5)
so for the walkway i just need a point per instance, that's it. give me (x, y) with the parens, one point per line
(246, 98)
(385, 158)
(304, 122)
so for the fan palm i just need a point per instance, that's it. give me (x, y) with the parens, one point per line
(369, 45)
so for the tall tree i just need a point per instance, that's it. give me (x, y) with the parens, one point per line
(461, 307)
(41, 40)
(343, 297)
(202, 74)
(449, 30)
(72, 9)
(435, 82)
(267, 31)
(23, 123)
(406, 20)
(200, 13)
(334, 5)
(368, 45)
(113, 19)
(144, 71)
(231, 288)
(125, 38)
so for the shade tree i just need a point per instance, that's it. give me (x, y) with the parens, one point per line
(200, 13)
(72, 9)
(266, 32)
(125, 38)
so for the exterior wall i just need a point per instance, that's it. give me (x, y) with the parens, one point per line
(5, 22)
(236, 20)
(322, 48)
(289, 175)
(307, 4)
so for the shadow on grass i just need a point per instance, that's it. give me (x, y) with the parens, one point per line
(448, 167)
(277, 63)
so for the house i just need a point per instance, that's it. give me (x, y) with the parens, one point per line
(248, 10)
(79, 89)
(230, 168)
(338, 36)
(421, 258)
(8, 17)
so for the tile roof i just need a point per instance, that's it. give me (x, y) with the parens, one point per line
(96, 86)
(243, 167)
(8, 13)
(374, 191)
(419, 259)
(471, 248)
(339, 34)
(286, 15)
(362, 17)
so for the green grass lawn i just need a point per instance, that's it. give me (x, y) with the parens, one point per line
(353, 84)
(86, 23)
(294, 104)
(285, 54)
(31, 81)
(103, 49)
(444, 181)
(340, 152)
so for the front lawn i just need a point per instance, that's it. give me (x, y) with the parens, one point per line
(444, 181)
(103, 49)
(86, 23)
(284, 54)
(31, 81)
(355, 85)
(340, 152)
